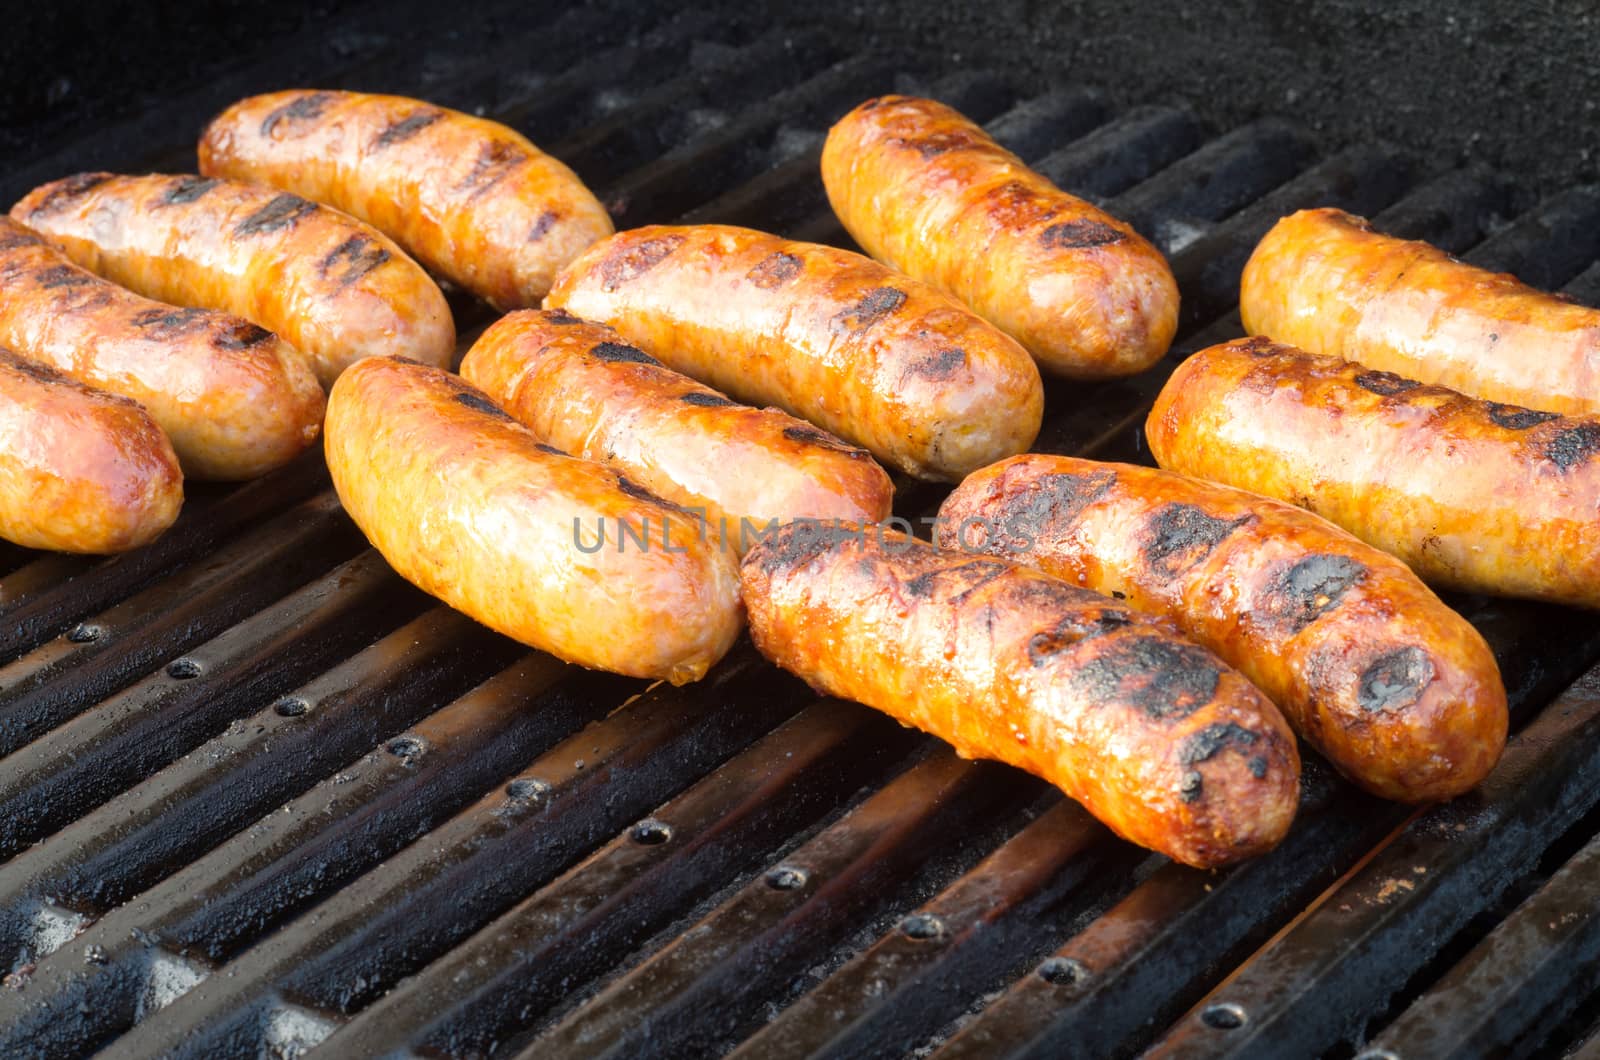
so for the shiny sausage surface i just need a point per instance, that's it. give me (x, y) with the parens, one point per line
(580, 388)
(1396, 689)
(334, 288)
(471, 199)
(879, 359)
(1152, 733)
(1470, 494)
(562, 554)
(1324, 281)
(927, 191)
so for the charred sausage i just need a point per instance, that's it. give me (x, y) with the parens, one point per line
(564, 555)
(1396, 689)
(1471, 494)
(80, 470)
(925, 190)
(874, 357)
(580, 388)
(235, 400)
(1324, 281)
(471, 199)
(1153, 734)
(335, 289)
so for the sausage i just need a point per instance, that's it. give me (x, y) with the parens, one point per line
(564, 555)
(1324, 281)
(80, 470)
(927, 191)
(335, 289)
(471, 199)
(878, 359)
(1398, 691)
(234, 399)
(579, 387)
(1470, 494)
(1151, 733)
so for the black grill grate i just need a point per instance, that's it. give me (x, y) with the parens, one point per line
(257, 795)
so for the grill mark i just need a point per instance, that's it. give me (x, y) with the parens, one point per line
(495, 161)
(933, 144)
(628, 263)
(542, 225)
(406, 128)
(938, 366)
(1570, 447)
(1079, 235)
(1307, 590)
(1395, 680)
(301, 108)
(1073, 629)
(815, 436)
(704, 399)
(15, 237)
(1182, 535)
(638, 492)
(621, 353)
(284, 211)
(1213, 740)
(41, 373)
(1055, 502)
(793, 545)
(1257, 346)
(163, 324)
(1163, 679)
(876, 304)
(240, 335)
(65, 278)
(63, 192)
(1517, 418)
(560, 317)
(969, 577)
(352, 259)
(775, 270)
(480, 403)
(187, 189)
(552, 450)
(1385, 383)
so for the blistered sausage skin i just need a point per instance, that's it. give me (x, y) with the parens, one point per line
(580, 388)
(1151, 733)
(1470, 494)
(471, 199)
(80, 470)
(235, 400)
(334, 288)
(468, 505)
(1398, 691)
(895, 366)
(1324, 281)
(927, 191)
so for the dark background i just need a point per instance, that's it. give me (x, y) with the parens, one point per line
(1510, 83)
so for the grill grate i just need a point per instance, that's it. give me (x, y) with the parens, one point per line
(258, 795)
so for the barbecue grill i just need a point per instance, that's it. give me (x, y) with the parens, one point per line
(259, 796)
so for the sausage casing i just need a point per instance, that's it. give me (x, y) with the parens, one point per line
(468, 505)
(927, 191)
(471, 199)
(235, 400)
(580, 388)
(1152, 733)
(1324, 281)
(893, 365)
(1470, 494)
(334, 288)
(80, 470)
(1396, 689)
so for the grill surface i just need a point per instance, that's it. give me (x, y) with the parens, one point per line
(259, 796)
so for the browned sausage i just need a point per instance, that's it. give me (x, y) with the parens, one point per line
(235, 400)
(473, 200)
(1153, 734)
(1396, 689)
(336, 289)
(1324, 281)
(564, 555)
(1472, 495)
(878, 359)
(579, 387)
(80, 470)
(925, 190)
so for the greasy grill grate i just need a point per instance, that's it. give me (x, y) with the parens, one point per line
(256, 794)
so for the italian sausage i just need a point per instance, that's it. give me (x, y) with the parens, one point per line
(471, 199)
(1398, 691)
(893, 365)
(334, 288)
(80, 470)
(1470, 494)
(234, 399)
(562, 554)
(580, 388)
(928, 192)
(1151, 733)
(1324, 281)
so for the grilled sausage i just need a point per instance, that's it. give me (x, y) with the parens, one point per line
(1324, 281)
(471, 199)
(1153, 734)
(468, 505)
(235, 400)
(80, 470)
(1471, 494)
(925, 190)
(335, 289)
(1396, 689)
(579, 387)
(878, 359)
